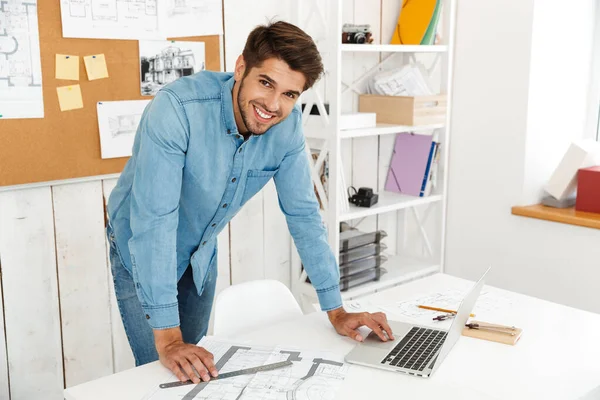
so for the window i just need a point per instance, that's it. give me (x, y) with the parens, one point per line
(594, 97)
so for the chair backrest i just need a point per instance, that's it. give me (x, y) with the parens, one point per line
(253, 305)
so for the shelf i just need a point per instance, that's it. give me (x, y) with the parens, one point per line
(388, 201)
(384, 129)
(400, 269)
(562, 215)
(393, 48)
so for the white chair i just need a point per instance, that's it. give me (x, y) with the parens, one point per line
(253, 305)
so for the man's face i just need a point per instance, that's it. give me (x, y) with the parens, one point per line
(266, 95)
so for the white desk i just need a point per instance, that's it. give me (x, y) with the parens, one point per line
(558, 356)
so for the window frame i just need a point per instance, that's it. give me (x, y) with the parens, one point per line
(593, 125)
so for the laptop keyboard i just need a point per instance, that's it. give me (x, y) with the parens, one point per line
(416, 349)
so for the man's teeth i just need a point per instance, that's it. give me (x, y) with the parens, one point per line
(262, 115)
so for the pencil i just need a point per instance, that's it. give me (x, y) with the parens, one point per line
(440, 309)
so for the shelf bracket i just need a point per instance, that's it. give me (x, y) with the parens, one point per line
(421, 223)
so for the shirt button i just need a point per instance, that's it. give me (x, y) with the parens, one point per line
(228, 131)
(203, 243)
(213, 225)
(233, 180)
(225, 205)
(240, 150)
(147, 316)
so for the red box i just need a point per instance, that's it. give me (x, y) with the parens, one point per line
(588, 190)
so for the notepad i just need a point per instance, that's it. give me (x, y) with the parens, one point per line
(67, 67)
(69, 97)
(95, 66)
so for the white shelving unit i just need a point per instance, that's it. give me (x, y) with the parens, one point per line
(388, 202)
(392, 48)
(419, 219)
(385, 129)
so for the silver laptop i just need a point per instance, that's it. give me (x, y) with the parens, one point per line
(415, 350)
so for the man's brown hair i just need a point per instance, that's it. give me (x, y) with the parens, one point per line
(288, 43)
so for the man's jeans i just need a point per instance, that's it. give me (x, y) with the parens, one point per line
(194, 309)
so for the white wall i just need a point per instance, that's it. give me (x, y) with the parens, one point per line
(507, 105)
(243, 16)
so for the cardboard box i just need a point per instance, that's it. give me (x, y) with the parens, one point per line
(405, 110)
(588, 190)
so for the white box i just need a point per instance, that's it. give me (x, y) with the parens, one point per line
(358, 120)
(582, 154)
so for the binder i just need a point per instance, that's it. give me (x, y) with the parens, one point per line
(409, 163)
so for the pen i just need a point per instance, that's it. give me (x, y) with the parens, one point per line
(440, 309)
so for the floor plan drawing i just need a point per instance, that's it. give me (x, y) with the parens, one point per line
(191, 17)
(450, 300)
(20, 67)
(313, 375)
(110, 19)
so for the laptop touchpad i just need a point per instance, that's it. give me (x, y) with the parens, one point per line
(374, 341)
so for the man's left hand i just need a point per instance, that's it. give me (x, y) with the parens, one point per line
(346, 324)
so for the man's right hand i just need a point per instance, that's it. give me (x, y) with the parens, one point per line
(187, 361)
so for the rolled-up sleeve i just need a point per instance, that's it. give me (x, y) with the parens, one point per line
(299, 204)
(155, 195)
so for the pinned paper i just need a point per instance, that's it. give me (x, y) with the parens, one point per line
(69, 97)
(96, 67)
(67, 67)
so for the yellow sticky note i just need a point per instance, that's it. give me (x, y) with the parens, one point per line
(69, 97)
(96, 66)
(67, 67)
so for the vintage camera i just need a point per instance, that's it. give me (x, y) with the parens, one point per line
(364, 197)
(357, 34)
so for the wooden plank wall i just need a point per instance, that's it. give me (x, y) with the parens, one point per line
(61, 325)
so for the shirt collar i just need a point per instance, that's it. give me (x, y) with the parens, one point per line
(227, 105)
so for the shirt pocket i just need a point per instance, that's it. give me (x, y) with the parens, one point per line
(255, 181)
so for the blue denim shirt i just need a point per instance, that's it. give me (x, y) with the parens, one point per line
(189, 174)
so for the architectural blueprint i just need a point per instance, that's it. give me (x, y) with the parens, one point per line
(313, 376)
(118, 122)
(110, 19)
(20, 67)
(182, 18)
(450, 299)
(140, 19)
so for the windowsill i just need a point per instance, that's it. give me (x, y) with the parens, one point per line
(562, 215)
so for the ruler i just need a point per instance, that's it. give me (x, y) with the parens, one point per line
(253, 370)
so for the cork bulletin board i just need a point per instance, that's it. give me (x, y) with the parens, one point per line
(65, 145)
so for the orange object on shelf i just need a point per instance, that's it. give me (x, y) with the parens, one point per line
(413, 21)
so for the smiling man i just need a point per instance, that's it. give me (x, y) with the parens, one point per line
(205, 145)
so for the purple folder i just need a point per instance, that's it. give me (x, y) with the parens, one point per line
(409, 161)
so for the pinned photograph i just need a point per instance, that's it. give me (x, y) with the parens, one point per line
(162, 62)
